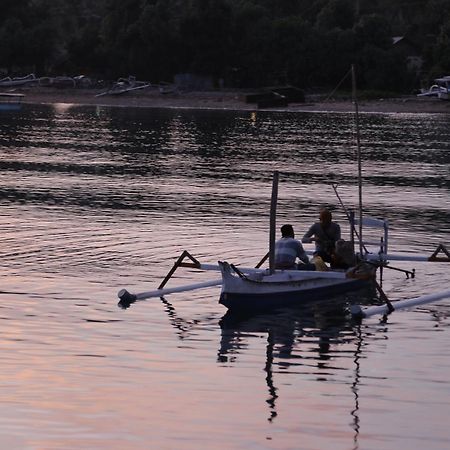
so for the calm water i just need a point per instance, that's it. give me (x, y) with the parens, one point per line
(94, 200)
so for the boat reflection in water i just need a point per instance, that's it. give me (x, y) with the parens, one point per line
(296, 348)
(313, 340)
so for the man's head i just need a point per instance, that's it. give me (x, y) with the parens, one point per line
(287, 231)
(325, 217)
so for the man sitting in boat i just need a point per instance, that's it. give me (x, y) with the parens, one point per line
(288, 249)
(325, 234)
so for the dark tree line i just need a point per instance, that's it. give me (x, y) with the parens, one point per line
(246, 43)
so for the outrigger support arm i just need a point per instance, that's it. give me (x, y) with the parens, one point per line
(195, 264)
(384, 297)
(179, 263)
(408, 273)
(440, 248)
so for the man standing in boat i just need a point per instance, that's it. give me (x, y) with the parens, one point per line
(325, 234)
(288, 249)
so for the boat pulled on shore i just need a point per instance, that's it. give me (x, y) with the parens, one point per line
(10, 101)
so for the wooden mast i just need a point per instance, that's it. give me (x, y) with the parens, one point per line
(273, 214)
(358, 155)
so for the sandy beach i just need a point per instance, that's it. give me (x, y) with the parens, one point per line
(230, 100)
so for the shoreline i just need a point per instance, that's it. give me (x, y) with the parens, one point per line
(225, 100)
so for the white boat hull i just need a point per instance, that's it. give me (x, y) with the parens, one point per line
(259, 292)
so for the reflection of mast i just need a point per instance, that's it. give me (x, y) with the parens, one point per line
(269, 376)
(355, 387)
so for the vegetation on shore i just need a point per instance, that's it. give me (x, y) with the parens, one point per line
(240, 43)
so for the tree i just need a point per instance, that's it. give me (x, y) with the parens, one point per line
(250, 42)
(290, 51)
(337, 14)
(205, 32)
(119, 36)
(373, 29)
(250, 38)
(159, 29)
(442, 51)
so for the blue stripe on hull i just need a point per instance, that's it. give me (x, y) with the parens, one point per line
(263, 302)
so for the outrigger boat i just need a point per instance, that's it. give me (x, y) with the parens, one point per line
(18, 81)
(441, 89)
(124, 85)
(257, 289)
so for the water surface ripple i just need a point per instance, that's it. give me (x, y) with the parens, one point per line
(96, 199)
